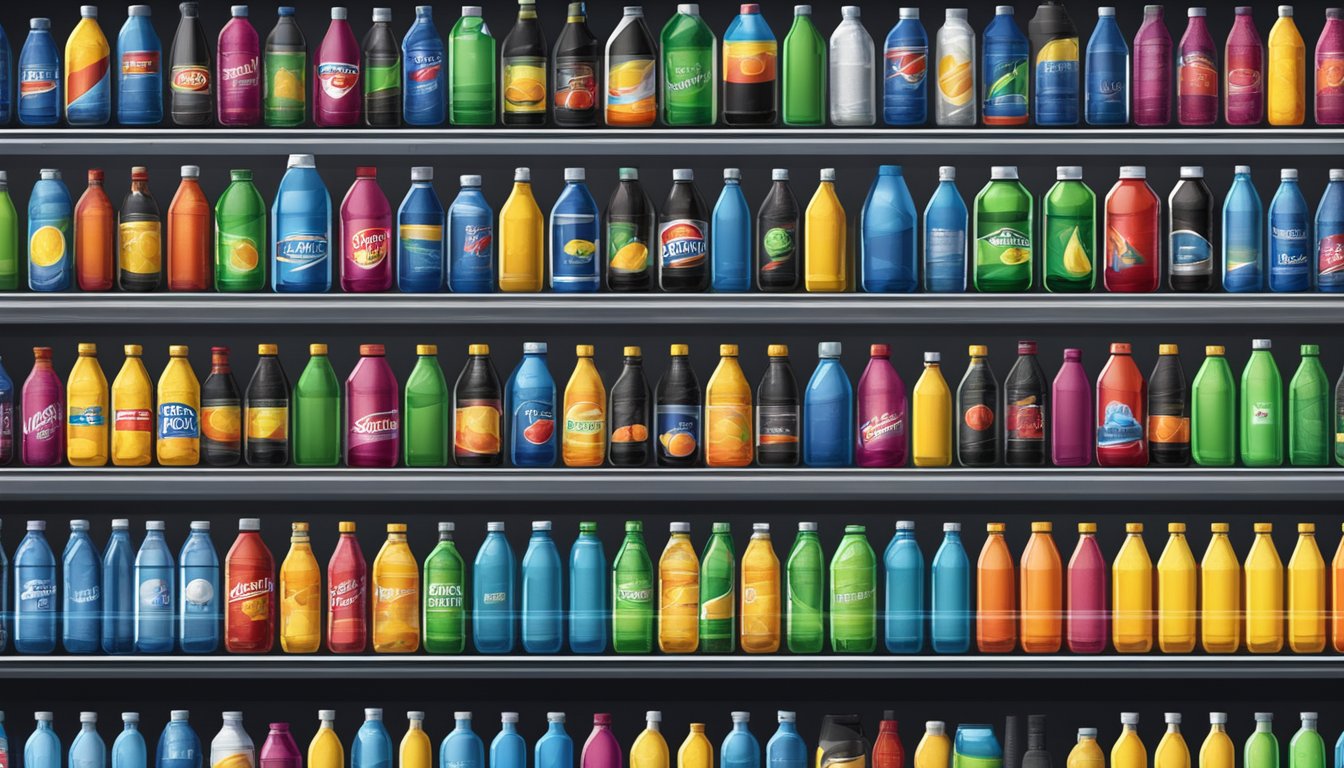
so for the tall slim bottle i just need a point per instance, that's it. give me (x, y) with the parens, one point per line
(1309, 422)
(1197, 73)
(1286, 76)
(853, 594)
(804, 65)
(1087, 597)
(678, 593)
(1213, 412)
(1042, 592)
(852, 71)
(1264, 593)
(1152, 70)
(1306, 594)
(1260, 410)
(1132, 594)
(954, 97)
(1244, 65)
(805, 584)
(1220, 594)
(1177, 606)
(950, 590)
(995, 594)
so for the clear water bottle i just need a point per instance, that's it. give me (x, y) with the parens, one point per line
(954, 94)
(852, 76)
(198, 598)
(154, 592)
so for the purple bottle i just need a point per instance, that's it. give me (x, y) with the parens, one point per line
(1197, 79)
(1244, 61)
(880, 441)
(279, 750)
(1330, 70)
(1087, 594)
(239, 67)
(366, 235)
(601, 750)
(336, 92)
(43, 413)
(372, 419)
(1071, 431)
(1152, 70)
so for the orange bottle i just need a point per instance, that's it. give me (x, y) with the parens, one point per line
(1337, 597)
(95, 236)
(189, 235)
(995, 595)
(1042, 592)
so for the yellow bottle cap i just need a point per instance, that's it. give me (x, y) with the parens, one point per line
(1087, 527)
(317, 349)
(777, 350)
(728, 350)
(133, 350)
(680, 350)
(1264, 527)
(1175, 527)
(996, 527)
(298, 527)
(268, 349)
(1042, 527)
(1220, 527)
(1168, 349)
(177, 350)
(1215, 350)
(478, 349)
(632, 352)
(583, 350)
(347, 526)
(88, 349)
(1306, 527)
(977, 350)
(396, 527)
(426, 349)
(1133, 527)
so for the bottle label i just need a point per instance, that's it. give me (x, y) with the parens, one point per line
(776, 425)
(133, 420)
(477, 428)
(155, 595)
(238, 255)
(369, 247)
(178, 420)
(778, 243)
(392, 594)
(139, 64)
(1107, 74)
(199, 594)
(750, 61)
(375, 427)
(37, 86)
(1026, 419)
(533, 422)
(337, 78)
(221, 421)
(238, 71)
(424, 71)
(38, 594)
(585, 418)
(1068, 246)
(678, 430)
(1330, 258)
(632, 90)
(1198, 75)
(1119, 428)
(1262, 413)
(1122, 251)
(140, 252)
(286, 76)
(575, 85)
(683, 244)
(1006, 86)
(945, 257)
(1004, 255)
(191, 78)
(45, 424)
(906, 67)
(1288, 241)
(1168, 429)
(421, 248)
(688, 76)
(252, 598)
(728, 435)
(524, 85)
(345, 593)
(627, 254)
(267, 422)
(87, 416)
(887, 425)
(1329, 83)
(444, 597)
(627, 419)
(574, 238)
(1057, 80)
(1191, 253)
(298, 252)
(86, 595)
(383, 81)
(978, 417)
(86, 79)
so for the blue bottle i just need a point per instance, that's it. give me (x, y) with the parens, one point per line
(945, 224)
(128, 751)
(555, 749)
(87, 750)
(179, 746)
(1005, 70)
(420, 222)
(7, 448)
(976, 744)
(4, 603)
(905, 89)
(950, 607)
(587, 592)
(740, 749)
(372, 747)
(1055, 65)
(730, 238)
(828, 412)
(471, 241)
(140, 78)
(462, 748)
(81, 612)
(1339, 750)
(1329, 247)
(904, 566)
(51, 262)
(301, 246)
(1289, 237)
(6, 80)
(888, 229)
(492, 596)
(423, 71)
(35, 603)
(119, 590)
(786, 749)
(1243, 236)
(39, 89)
(198, 597)
(574, 237)
(1106, 94)
(508, 750)
(154, 592)
(528, 399)
(543, 593)
(43, 748)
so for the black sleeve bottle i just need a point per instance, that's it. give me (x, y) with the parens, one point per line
(1168, 411)
(977, 412)
(1024, 408)
(677, 413)
(778, 236)
(266, 412)
(777, 412)
(191, 88)
(1190, 211)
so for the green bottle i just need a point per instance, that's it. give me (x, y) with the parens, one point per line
(1003, 233)
(1309, 429)
(1261, 409)
(1339, 422)
(426, 411)
(445, 607)
(632, 594)
(1070, 224)
(471, 70)
(1262, 749)
(240, 236)
(805, 581)
(804, 71)
(316, 408)
(1213, 412)
(690, 52)
(718, 603)
(1307, 749)
(9, 238)
(854, 594)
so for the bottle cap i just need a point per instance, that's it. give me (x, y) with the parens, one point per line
(120, 524)
(828, 174)
(1133, 172)
(905, 525)
(955, 13)
(463, 715)
(1173, 718)
(1217, 718)
(1310, 717)
(828, 349)
(807, 526)
(802, 10)
(200, 525)
(1072, 355)
(534, 348)
(1042, 527)
(447, 527)
(951, 527)
(850, 12)
(366, 172)
(1003, 10)
(729, 174)
(555, 717)
(582, 350)
(1120, 348)
(1219, 527)
(508, 717)
(1003, 173)
(947, 173)
(182, 714)
(415, 715)
(1192, 171)
(154, 525)
(679, 527)
(741, 717)
(338, 14)
(1168, 349)
(574, 174)
(777, 350)
(346, 526)
(1087, 733)
(879, 350)
(268, 349)
(1193, 12)
(721, 527)
(1337, 174)
(426, 350)
(40, 24)
(784, 716)
(977, 350)
(628, 174)
(936, 727)
(679, 350)
(373, 713)
(470, 180)
(249, 524)
(48, 174)
(634, 10)
(1264, 717)
(1306, 527)
(653, 716)
(541, 525)
(909, 13)
(1264, 527)
(1087, 527)
(317, 350)
(301, 161)
(372, 350)
(139, 173)
(88, 11)
(385, 14)
(471, 10)
(422, 173)
(1285, 10)
(631, 352)
(138, 10)
(86, 349)
(396, 527)
(1309, 350)
(686, 174)
(1129, 718)
(1261, 344)
(779, 174)
(932, 357)
(1133, 527)
(1215, 350)
(995, 527)
(130, 717)
(79, 525)
(495, 527)
(755, 527)
(133, 350)
(522, 174)
(88, 717)
(42, 716)
(1241, 169)
(727, 350)
(1069, 172)
(1175, 527)
(285, 10)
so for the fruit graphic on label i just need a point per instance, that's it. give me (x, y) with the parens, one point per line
(677, 444)
(1330, 74)
(580, 249)
(954, 80)
(267, 423)
(140, 249)
(47, 246)
(1076, 262)
(1122, 254)
(478, 429)
(243, 256)
(979, 417)
(234, 761)
(632, 257)
(778, 242)
(539, 431)
(525, 91)
(286, 85)
(1014, 256)
(634, 433)
(729, 435)
(221, 424)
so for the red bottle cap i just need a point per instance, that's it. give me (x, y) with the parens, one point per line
(879, 350)
(41, 353)
(371, 350)
(95, 174)
(366, 172)
(139, 173)
(750, 8)
(1026, 347)
(1119, 348)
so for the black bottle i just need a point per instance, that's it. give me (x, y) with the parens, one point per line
(1024, 406)
(1052, 23)
(266, 436)
(191, 86)
(522, 65)
(574, 73)
(778, 236)
(1036, 756)
(285, 47)
(1190, 222)
(477, 387)
(382, 73)
(1168, 411)
(777, 436)
(977, 412)
(628, 232)
(139, 237)
(628, 414)
(677, 413)
(221, 418)
(1012, 742)
(683, 237)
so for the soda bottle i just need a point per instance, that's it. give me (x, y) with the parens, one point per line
(631, 100)
(1132, 594)
(471, 228)
(317, 412)
(522, 242)
(632, 594)
(1243, 235)
(905, 614)
(853, 594)
(347, 594)
(39, 88)
(240, 236)
(1106, 98)
(1055, 65)
(1286, 84)
(1071, 430)
(828, 412)
(190, 88)
(372, 418)
(88, 86)
(1260, 411)
(1213, 407)
(731, 237)
(1042, 593)
(1264, 593)
(396, 596)
(249, 620)
(888, 226)
(140, 76)
(239, 71)
(300, 595)
(589, 585)
(628, 230)
(945, 220)
(777, 225)
(9, 239)
(423, 65)
(574, 237)
(140, 260)
(777, 412)
(931, 416)
(43, 402)
(1306, 600)
(382, 64)
(325, 750)
(132, 412)
(1197, 74)
(880, 438)
(279, 749)
(50, 263)
(717, 592)
(574, 72)
(805, 584)
(1133, 243)
(696, 749)
(189, 234)
(266, 442)
(1289, 237)
(221, 419)
(905, 86)
(86, 410)
(530, 408)
(950, 591)
(1152, 70)
(1262, 748)
(1330, 235)
(179, 398)
(1244, 94)
(1025, 402)
(601, 747)
(954, 102)
(198, 614)
(302, 230)
(688, 92)
(81, 609)
(445, 614)
(336, 75)
(543, 617)
(826, 260)
(1070, 224)
(728, 413)
(1330, 70)
(1087, 594)
(851, 71)
(677, 413)
(678, 593)
(477, 408)
(286, 65)
(1006, 70)
(683, 235)
(1169, 411)
(522, 71)
(471, 70)
(1003, 234)
(995, 594)
(804, 71)
(760, 628)
(1190, 223)
(428, 419)
(1309, 424)
(583, 440)
(1307, 748)
(976, 409)
(629, 414)
(1121, 402)
(366, 235)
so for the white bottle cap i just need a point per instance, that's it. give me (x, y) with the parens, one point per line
(494, 527)
(807, 526)
(541, 525)
(574, 174)
(1003, 10)
(785, 716)
(238, 11)
(79, 525)
(828, 349)
(802, 10)
(522, 174)
(1337, 174)
(741, 717)
(1105, 10)
(1196, 12)
(1241, 169)
(1192, 171)
(1285, 10)
(850, 12)
(415, 716)
(955, 13)
(1261, 344)
(653, 715)
(828, 174)
(1003, 172)
(932, 357)
(686, 174)
(508, 717)
(138, 10)
(909, 13)
(447, 527)
(422, 173)
(1069, 172)
(1264, 717)
(1133, 172)
(634, 10)
(471, 10)
(373, 713)
(121, 524)
(947, 173)
(154, 525)
(338, 13)
(200, 525)
(91, 11)
(41, 716)
(326, 714)
(1217, 718)
(48, 174)
(130, 717)
(1172, 718)
(37, 525)
(1310, 717)
(1288, 174)
(533, 347)
(728, 173)
(685, 9)
(191, 171)
(936, 727)
(88, 717)
(760, 527)
(1087, 733)
(555, 717)
(905, 525)
(249, 524)
(463, 715)
(182, 714)
(951, 527)
(301, 161)
(679, 527)
(1129, 718)
(469, 181)
(779, 174)
(39, 23)
(383, 15)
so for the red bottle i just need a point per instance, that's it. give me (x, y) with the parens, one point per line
(1122, 397)
(249, 575)
(887, 750)
(347, 595)
(1133, 247)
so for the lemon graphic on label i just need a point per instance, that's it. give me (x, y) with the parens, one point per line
(285, 85)
(1076, 262)
(47, 246)
(580, 248)
(1014, 256)
(632, 257)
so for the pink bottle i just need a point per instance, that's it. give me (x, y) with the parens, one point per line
(1197, 79)
(1244, 61)
(372, 418)
(366, 235)
(1152, 70)
(239, 68)
(1071, 433)
(43, 413)
(601, 750)
(1330, 70)
(347, 595)
(336, 91)
(279, 749)
(1086, 601)
(882, 413)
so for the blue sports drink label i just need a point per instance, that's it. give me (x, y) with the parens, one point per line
(39, 93)
(1191, 254)
(678, 430)
(421, 249)
(424, 75)
(574, 244)
(471, 253)
(90, 416)
(1057, 82)
(1289, 259)
(37, 595)
(301, 258)
(1119, 428)
(905, 86)
(533, 426)
(178, 420)
(1006, 76)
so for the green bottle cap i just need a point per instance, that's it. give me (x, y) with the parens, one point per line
(1311, 350)
(720, 528)
(634, 526)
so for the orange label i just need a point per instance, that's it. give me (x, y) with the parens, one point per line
(728, 435)
(222, 424)
(749, 62)
(1168, 429)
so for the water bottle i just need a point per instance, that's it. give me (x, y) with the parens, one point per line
(4, 605)
(1055, 66)
(851, 65)
(462, 748)
(43, 749)
(730, 237)
(179, 746)
(888, 259)
(154, 592)
(140, 78)
(1243, 236)
(587, 593)
(574, 239)
(35, 604)
(954, 99)
(119, 590)
(39, 86)
(543, 610)
(508, 750)
(372, 748)
(530, 409)
(555, 749)
(51, 261)
(87, 750)
(301, 250)
(1006, 70)
(905, 98)
(740, 748)
(828, 412)
(492, 598)
(1329, 238)
(1106, 99)
(904, 565)
(945, 223)
(471, 253)
(198, 597)
(128, 751)
(420, 223)
(81, 611)
(425, 76)
(1289, 237)
(950, 605)
(786, 749)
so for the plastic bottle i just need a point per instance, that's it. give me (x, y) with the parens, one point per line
(717, 592)
(1329, 102)
(1087, 614)
(117, 591)
(427, 406)
(730, 237)
(905, 98)
(493, 597)
(198, 593)
(1152, 70)
(760, 626)
(542, 614)
(1133, 242)
(372, 416)
(50, 263)
(1244, 87)
(977, 412)
(683, 235)
(1069, 221)
(1042, 592)
(347, 594)
(1177, 606)
(462, 746)
(39, 72)
(88, 85)
(1262, 748)
(192, 86)
(9, 239)
(337, 95)
(1003, 233)
(1243, 236)
(954, 99)
(555, 749)
(628, 232)
(87, 750)
(471, 70)
(420, 242)
(139, 232)
(574, 73)
(1025, 408)
(81, 604)
(1036, 755)
(366, 235)
(589, 585)
(1329, 231)
(1306, 595)
(239, 67)
(423, 76)
(86, 411)
(43, 401)
(1006, 70)
(507, 749)
(301, 249)
(522, 244)
(584, 437)
(1264, 593)
(1260, 410)
(1172, 751)
(280, 751)
(575, 239)
(1289, 237)
(232, 746)
(470, 259)
(749, 70)
(825, 256)
(1197, 73)
(601, 750)
(931, 416)
(300, 589)
(240, 236)
(728, 414)
(828, 412)
(678, 593)
(1309, 421)
(1086, 753)
(1286, 77)
(805, 583)
(945, 226)
(372, 748)
(904, 589)
(777, 411)
(179, 403)
(249, 619)
(1217, 750)
(950, 587)
(1213, 412)
(179, 747)
(888, 226)
(316, 438)
(804, 72)
(266, 438)
(443, 593)
(650, 748)
(852, 75)
(154, 605)
(632, 588)
(1190, 224)
(530, 409)
(43, 748)
(128, 750)
(383, 92)
(630, 413)
(1128, 751)
(740, 748)
(286, 66)
(777, 237)
(631, 99)
(1168, 409)
(1106, 97)
(1307, 748)
(1132, 596)
(935, 748)
(478, 410)
(187, 262)
(140, 74)
(853, 599)
(995, 594)
(1055, 66)
(1220, 594)
(522, 74)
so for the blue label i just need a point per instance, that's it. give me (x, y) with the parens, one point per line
(1006, 75)
(300, 257)
(672, 421)
(1056, 97)
(472, 253)
(37, 595)
(424, 72)
(91, 416)
(905, 86)
(1119, 428)
(421, 251)
(1191, 254)
(574, 245)
(1290, 261)
(1107, 88)
(534, 423)
(155, 595)
(178, 420)
(39, 92)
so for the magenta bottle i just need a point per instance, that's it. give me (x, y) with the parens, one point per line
(1197, 78)
(372, 418)
(1152, 70)
(366, 235)
(1071, 431)
(43, 413)
(336, 92)
(239, 67)
(601, 750)
(1330, 70)
(279, 750)
(1244, 63)
(881, 440)
(1087, 620)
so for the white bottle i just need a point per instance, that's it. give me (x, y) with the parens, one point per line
(954, 86)
(232, 747)
(851, 75)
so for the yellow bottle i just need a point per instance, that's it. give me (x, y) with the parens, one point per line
(1286, 87)
(1220, 594)
(1306, 593)
(179, 425)
(1087, 752)
(86, 54)
(86, 410)
(1172, 751)
(650, 748)
(325, 750)
(679, 593)
(760, 593)
(1128, 750)
(728, 421)
(696, 751)
(583, 442)
(1177, 609)
(300, 595)
(1132, 594)
(1337, 597)
(1264, 594)
(825, 260)
(1217, 751)
(931, 416)
(522, 239)
(396, 595)
(935, 748)
(416, 751)
(132, 412)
